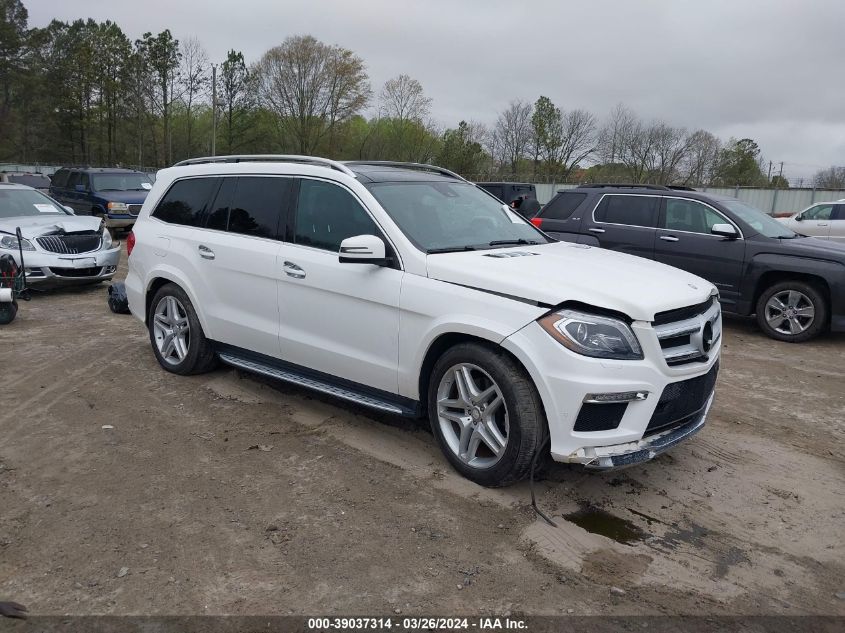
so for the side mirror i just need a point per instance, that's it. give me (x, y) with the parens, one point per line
(79, 187)
(69, 209)
(363, 249)
(799, 217)
(724, 230)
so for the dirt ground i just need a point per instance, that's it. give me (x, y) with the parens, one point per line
(225, 494)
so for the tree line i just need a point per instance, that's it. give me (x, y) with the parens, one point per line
(82, 92)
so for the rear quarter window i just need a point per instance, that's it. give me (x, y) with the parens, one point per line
(60, 178)
(562, 206)
(630, 210)
(186, 201)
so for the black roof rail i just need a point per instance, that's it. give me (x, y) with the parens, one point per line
(269, 158)
(681, 188)
(421, 166)
(609, 185)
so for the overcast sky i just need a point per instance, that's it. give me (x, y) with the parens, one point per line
(771, 70)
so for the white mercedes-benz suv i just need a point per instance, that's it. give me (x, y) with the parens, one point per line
(405, 288)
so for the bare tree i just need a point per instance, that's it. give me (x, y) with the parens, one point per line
(194, 78)
(830, 178)
(311, 87)
(402, 98)
(513, 131)
(702, 158)
(615, 134)
(670, 147)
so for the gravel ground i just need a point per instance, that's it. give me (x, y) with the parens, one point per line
(127, 490)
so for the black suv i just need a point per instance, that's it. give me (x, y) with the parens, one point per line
(794, 284)
(520, 196)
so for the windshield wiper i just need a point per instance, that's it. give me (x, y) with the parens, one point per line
(450, 249)
(520, 242)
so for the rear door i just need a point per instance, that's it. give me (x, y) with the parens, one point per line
(624, 222)
(816, 220)
(837, 224)
(684, 240)
(558, 217)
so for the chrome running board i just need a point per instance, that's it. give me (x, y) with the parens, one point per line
(315, 384)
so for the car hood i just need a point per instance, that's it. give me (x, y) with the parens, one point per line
(808, 247)
(563, 271)
(33, 225)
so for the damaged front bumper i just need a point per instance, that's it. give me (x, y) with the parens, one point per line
(54, 269)
(631, 453)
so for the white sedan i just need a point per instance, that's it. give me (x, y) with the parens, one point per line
(58, 247)
(825, 220)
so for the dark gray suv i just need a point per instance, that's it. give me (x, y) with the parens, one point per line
(794, 284)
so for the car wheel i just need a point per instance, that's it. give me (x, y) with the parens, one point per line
(8, 311)
(792, 311)
(176, 335)
(486, 414)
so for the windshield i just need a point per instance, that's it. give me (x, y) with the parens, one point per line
(121, 182)
(759, 221)
(22, 202)
(443, 216)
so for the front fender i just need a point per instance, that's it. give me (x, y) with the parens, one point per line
(174, 275)
(831, 272)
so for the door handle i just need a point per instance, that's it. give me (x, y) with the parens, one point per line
(823, 224)
(668, 238)
(205, 252)
(292, 270)
(595, 230)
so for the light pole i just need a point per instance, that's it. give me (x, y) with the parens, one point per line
(214, 109)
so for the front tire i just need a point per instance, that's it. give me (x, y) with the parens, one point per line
(793, 311)
(179, 344)
(486, 414)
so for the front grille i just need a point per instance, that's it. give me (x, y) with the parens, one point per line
(134, 209)
(600, 417)
(72, 244)
(77, 272)
(681, 401)
(686, 335)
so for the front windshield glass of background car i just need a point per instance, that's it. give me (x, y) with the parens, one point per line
(452, 215)
(121, 182)
(16, 203)
(757, 220)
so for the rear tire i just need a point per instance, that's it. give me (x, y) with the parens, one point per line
(499, 409)
(179, 344)
(793, 311)
(8, 311)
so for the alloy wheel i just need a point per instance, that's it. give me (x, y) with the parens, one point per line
(473, 415)
(171, 330)
(790, 312)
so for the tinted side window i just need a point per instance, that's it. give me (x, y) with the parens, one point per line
(257, 205)
(326, 215)
(839, 212)
(630, 210)
(690, 216)
(218, 216)
(186, 201)
(496, 190)
(562, 206)
(85, 181)
(73, 179)
(60, 178)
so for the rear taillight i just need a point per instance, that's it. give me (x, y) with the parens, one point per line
(538, 222)
(130, 243)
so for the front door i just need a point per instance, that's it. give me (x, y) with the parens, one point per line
(816, 220)
(338, 319)
(684, 240)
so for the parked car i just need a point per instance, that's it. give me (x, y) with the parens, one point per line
(58, 247)
(115, 195)
(34, 180)
(825, 220)
(795, 285)
(520, 196)
(407, 289)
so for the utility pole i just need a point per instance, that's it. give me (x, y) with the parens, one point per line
(769, 177)
(214, 109)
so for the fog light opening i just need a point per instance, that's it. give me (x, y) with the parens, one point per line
(610, 398)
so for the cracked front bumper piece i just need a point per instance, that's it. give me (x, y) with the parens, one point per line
(632, 453)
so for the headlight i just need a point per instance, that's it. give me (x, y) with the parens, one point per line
(593, 335)
(11, 242)
(118, 206)
(107, 240)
